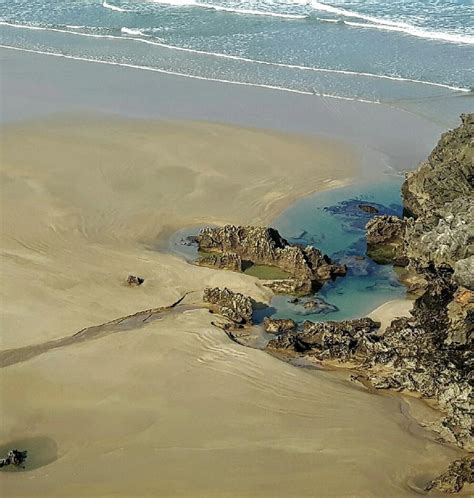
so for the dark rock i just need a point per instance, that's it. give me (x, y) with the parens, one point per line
(14, 457)
(134, 281)
(385, 238)
(452, 481)
(328, 340)
(222, 261)
(265, 246)
(367, 208)
(277, 326)
(232, 305)
(318, 305)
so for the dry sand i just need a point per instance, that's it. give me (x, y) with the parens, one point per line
(172, 408)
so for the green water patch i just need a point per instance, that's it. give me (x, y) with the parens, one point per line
(265, 272)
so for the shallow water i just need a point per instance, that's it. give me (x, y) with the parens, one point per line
(333, 222)
(410, 54)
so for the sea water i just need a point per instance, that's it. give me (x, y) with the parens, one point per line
(414, 54)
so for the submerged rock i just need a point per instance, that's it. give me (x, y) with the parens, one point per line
(233, 305)
(290, 286)
(367, 208)
(459, 473)
(277, 326)
(265, 246)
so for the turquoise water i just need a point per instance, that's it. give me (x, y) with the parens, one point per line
(412, 54)
(333, 222)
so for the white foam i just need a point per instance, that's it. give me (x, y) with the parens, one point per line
(220, 8)
(113, 7)
(133, 32)
(73, 26)
(191, 76)
(246, 59)
(387, 25)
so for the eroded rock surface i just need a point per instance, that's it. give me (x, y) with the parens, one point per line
(459, 473)
(233, 305)
(385, 239)
(265, 246)
(277, 326)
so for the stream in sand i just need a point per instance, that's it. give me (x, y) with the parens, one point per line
(334, 222)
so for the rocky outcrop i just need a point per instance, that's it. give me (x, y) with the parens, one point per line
(328, 340)
(265, 246)
(446, 175)
(227, 261)
(290, 286)
(459, 473)
(385, 239)
(232, 305)
(277, 326)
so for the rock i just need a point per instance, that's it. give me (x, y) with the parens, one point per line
(327, 340)
(319, 306)
(452, 481)
(233, 305)
(367, 208)
(385, 239)
(446, 175)
(461, 318)
(14, 457)
(290, 286)
(134, 281)
(277, 326)
(464, 272)
(265, 246)
(227, 261)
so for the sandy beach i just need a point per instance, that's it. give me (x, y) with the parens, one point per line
(174, 408)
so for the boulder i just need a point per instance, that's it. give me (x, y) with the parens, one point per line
(277, 326)
(385, 239)
(134, 281)
(232, 305)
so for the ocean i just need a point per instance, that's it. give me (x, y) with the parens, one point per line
(416, 55)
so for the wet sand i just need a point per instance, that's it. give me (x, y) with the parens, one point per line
(171, 407)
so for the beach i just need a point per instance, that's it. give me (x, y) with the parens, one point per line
(100, 166)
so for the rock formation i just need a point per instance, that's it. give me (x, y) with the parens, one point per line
(235, 306)
(277, 326)
(452, 481)
(134, 281)
(430, 353)
(265, 246)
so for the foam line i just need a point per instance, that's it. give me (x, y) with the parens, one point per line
(113, 7)
(245, 59)
(191, 76)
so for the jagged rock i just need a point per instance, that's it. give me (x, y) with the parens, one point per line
(232, 305)
(367, 208)
(461, 318)
(277, 326)
(265, 246)
(445, 236)
(464, 272)
(14, 457)
(134, 281)
(385, 239)
(222, 261)
(290, 286)
(452, 481)
(327, 340)
(446, 175)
